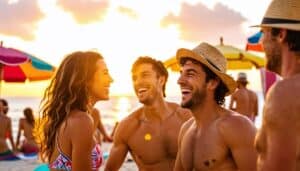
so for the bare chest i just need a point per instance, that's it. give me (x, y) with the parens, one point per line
(204, 149)
(153, 142)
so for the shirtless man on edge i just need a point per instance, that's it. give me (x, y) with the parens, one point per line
(278, 140)
(244, 99)
(150, 133)
(215, 139)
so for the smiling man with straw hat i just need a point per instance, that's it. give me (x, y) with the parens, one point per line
(278, 141)
(215, 138)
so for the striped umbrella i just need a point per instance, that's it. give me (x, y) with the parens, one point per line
(18, 66)
(254, 42)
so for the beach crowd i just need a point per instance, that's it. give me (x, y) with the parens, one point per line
(199, 134)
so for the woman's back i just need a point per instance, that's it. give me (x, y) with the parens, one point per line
(4, 126)
(27, 128)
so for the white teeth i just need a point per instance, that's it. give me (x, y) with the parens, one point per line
(142, 90)
(185, 91)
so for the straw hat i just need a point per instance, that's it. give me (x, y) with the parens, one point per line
(282, 14)
(213, 59)
(242, 77)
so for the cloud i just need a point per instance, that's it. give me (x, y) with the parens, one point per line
(128, 11)
(20, 18)
(199, 23)
(85, 11)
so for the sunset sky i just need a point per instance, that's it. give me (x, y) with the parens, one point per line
(121, 30)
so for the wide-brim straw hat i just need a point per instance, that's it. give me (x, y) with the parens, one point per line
(282, 14)
(213, 59)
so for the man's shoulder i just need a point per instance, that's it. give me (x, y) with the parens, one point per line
(182, 113)
(132, 119)
(239, 92)
(232, 122)
(5, 118)
(283, 92)
(282, 105)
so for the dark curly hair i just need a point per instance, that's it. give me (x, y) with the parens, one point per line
(221, 89)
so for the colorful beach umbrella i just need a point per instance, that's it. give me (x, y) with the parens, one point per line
(240, 59)
(254, 42)
(236, 59)
(18, 66)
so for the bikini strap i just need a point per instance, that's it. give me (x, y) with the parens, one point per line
(59, 149)
(58, 145)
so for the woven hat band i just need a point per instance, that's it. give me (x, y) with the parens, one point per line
(278, 21)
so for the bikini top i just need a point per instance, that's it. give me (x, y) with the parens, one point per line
(63, 162)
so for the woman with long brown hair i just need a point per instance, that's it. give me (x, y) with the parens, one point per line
(68, 143)
(26, 126)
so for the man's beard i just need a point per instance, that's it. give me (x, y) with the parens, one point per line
(273, 54)
(196, 100)
(149, 100)
(274, 63)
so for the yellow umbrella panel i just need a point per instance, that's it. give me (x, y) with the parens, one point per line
(236, 59)
(240, 59)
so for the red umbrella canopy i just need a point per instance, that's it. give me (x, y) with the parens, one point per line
(18, 66)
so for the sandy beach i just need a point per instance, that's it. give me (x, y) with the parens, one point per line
(31, 164)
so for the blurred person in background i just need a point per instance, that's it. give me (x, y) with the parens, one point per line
(100, 131)
(244, 100)
(6, 131)
(26, 126)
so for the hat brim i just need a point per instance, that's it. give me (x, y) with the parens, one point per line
(289, 26)
(226, 79)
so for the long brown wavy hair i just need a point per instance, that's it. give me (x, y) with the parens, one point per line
(67, 91)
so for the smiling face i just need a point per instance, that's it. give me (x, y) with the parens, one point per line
(192, 84)
(100, 83)
(147, 84)
(272, 49)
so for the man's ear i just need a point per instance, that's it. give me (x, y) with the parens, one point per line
(213, 84)
(282, 35)
(161, 80)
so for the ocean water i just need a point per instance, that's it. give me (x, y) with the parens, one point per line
(111, 111)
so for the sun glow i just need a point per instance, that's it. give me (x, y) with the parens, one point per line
(123, 107)
(129, 29)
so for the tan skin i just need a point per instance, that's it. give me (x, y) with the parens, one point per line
(27, 129)
(215, 138)
(5, 128)
(245, 100)
(99, 127)
(278, 140)
(75, 142)
(150, 133)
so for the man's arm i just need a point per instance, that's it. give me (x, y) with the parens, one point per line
(239, 133)
(19, 132)
(232, 101)
(255, 107)
(101, 128)
(10, 136)
(178, 162)
(119, 149)
(280, 130)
